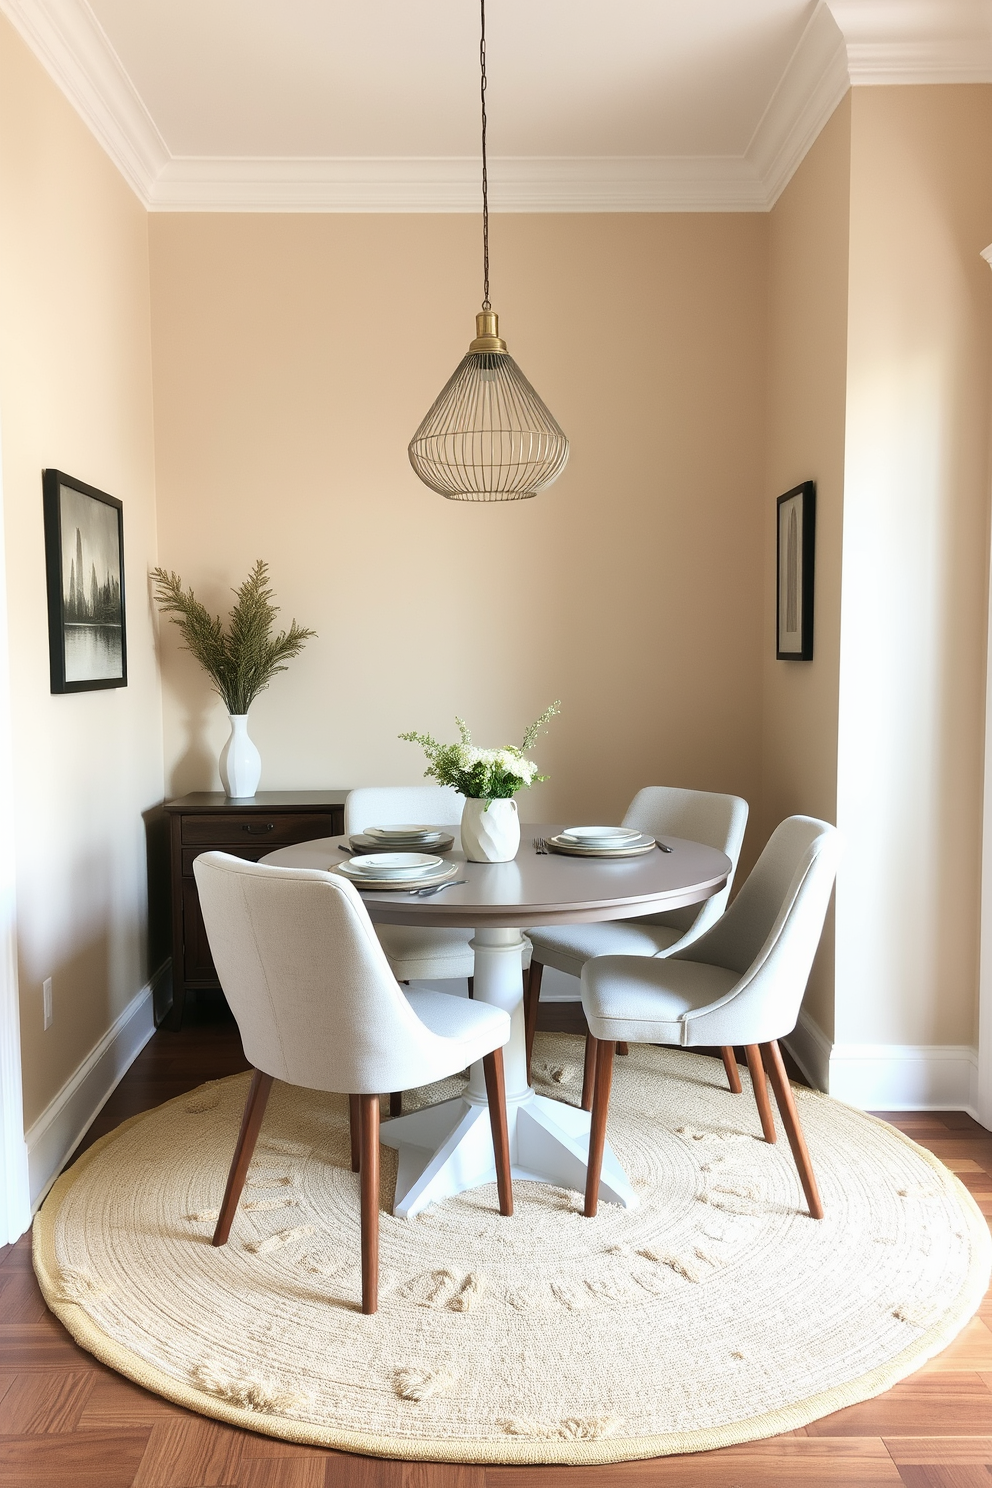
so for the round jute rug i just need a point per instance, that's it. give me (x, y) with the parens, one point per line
(715, 1312)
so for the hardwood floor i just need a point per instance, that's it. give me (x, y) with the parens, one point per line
(68, 1422)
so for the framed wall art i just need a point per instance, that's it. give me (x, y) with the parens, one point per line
(84, 551)
(796, 531)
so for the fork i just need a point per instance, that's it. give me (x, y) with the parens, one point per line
(436, 888)
(541, 846)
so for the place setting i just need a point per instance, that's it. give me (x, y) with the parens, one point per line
(393, 857)
(600, 842)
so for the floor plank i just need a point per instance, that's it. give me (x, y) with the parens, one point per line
(939, 1451)
(82, 1459)
(958, 1404)
(782, 1462)
(191, 1452)
(38, 1403)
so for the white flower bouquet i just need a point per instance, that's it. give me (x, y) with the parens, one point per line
(483, 774)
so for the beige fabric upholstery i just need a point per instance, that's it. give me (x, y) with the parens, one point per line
(743, 981)
(416, 955)
(311, 989)
(699, 816)
(569, 947)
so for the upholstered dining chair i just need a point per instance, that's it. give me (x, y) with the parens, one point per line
(741, 982)
(318, 1006)
(659, 810)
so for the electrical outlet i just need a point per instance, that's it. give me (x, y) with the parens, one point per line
(46, 1000)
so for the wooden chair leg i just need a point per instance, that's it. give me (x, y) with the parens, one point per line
(622, 1046)
(370, 1202)
(396, 1103)
(532, 997)
(790, 1120)
(589, 1072)
(733, 1073)
(492, 1066)
(597, 1128)
(760, 1085)
(471, 987)
(355, 1123)
(251, 1121)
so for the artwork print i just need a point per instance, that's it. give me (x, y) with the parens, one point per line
(84, 540)
(795, 554)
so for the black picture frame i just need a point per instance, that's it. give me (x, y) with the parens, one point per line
(87, 623)
(795, 548)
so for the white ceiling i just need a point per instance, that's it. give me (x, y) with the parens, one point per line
(593, 104)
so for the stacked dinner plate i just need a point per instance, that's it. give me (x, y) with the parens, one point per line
(408, 837)
(396, 870)
(602, 842)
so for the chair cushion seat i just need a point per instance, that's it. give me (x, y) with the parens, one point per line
(472, 1028)
(568, 947)
(642, 1000)
(430, 953)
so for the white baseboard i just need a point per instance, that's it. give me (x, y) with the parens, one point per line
(59, 1128)
(888, 1077)
(906, 1077)
(811, 1049)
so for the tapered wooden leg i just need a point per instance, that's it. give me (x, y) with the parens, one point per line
(790, 1120)
(471, 987)
(760, 1085)
(589, 1072)
(370, 1202)
(622, 1046)
(597, 1129)
(733, 1073)
(251, 1121)
(355, 1122)
(396, 1103)
(532, 997)
(492, 1066)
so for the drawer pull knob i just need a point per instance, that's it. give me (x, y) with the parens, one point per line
(257, 831)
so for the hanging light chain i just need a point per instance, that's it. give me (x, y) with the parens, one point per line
(485, 175)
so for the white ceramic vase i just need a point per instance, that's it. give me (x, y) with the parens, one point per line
(240, 761)
(490, 830)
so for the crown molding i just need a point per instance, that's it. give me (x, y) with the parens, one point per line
(451, 184)
(74, 49)
(813, 83)
(916, 41)
(845, 41)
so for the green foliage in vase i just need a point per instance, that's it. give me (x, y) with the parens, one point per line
(241, 660)
(483, 774)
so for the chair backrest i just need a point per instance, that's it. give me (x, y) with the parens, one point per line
(394, 805)
(700, 816)
(769, 935)
(307, 980)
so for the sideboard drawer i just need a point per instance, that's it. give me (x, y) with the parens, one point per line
(276, 830)
(250, 854)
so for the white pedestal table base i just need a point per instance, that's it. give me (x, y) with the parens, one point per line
(448, 1148)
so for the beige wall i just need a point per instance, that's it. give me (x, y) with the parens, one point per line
(807, 374)
(915, 565)
(295, 356)
(75, 394)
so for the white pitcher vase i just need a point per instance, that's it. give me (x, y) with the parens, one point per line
(490, 830)
(240, 761)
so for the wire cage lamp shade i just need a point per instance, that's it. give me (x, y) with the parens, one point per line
(487, 435)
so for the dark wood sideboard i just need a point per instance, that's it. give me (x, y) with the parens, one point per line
(249, 828)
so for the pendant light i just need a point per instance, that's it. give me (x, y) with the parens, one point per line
(488, 436)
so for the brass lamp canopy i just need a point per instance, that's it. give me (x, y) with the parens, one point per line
(488, 436)
(487, 336)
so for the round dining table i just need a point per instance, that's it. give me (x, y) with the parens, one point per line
(447, 1148)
